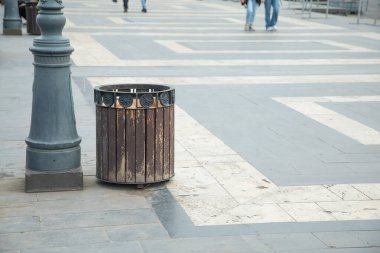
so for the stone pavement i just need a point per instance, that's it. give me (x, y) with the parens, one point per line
(277, 134)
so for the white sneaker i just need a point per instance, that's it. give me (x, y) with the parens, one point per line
(249, 28)
(269, 29)
(274, 28)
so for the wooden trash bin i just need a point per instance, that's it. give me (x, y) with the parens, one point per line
(134, 133)
(31, 13)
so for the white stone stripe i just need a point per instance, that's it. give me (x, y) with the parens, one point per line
(69, 24)
(116, 20)
(178, 7)
(91, 53)
(247, 80)
(304, 62)
(234, 20)
(91, 5)
(179, 48)
(344, 125)
(174, 46)
(300, 22)
(241, 34)
(346, 46)
(148, 26)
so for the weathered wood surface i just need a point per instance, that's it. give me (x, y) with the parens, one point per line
(135, 146)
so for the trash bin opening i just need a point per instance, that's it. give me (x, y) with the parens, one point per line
(134, 96)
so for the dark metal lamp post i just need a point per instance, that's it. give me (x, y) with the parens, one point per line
(53, 154)
(11, 22)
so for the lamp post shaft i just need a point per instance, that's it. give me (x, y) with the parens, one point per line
(53, 152)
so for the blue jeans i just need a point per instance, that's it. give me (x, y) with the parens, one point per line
(251, 12)
(143, 4)
(271, 21)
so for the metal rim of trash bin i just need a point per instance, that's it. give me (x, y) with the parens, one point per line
(132, 96)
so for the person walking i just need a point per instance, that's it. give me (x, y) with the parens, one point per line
(125, 3)
(271, 18)
(251, 6)
(143, 5)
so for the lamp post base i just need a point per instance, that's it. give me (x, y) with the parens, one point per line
(12, 32)
(42, 181)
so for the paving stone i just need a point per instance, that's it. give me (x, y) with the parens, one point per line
(17, 209)
(306, 212)
(105, 203)
(137, 232)
(344, 250)
(53, 238)
(19, 224)
(132, 247)
(98, 219)
(350, 239)
(351, 210)
(281, 242)
(202, 244)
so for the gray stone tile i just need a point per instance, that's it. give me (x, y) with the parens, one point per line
(12, 191)
(104, 203)
(350, 239)
(200, 244)
(19, 224)
(17, 209)
(331, 250)
(278, 242)
(137, 232)
(130, 247)
(53, 238)
(95, 219)
(299, 139)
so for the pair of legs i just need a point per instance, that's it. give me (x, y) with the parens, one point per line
(143, 5)
(271, 18)
(250, 16)
(125, 3)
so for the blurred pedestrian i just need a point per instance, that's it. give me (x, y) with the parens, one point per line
(22, 8)
(143, 6)
(251, 6)
(271, 18)
(125, 4)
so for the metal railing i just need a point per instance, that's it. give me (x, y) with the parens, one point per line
(369, 9)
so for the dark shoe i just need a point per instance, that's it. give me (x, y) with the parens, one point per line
(144, 10)
(125, 9)
(115, 1)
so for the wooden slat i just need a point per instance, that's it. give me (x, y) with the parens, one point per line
(99, 142)
(112, 145)
(171, 141)
(159, 144)
(104, 136)
(120, 146)
(130, 149)
(140, 146)
(166, 174)
(150, 143)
